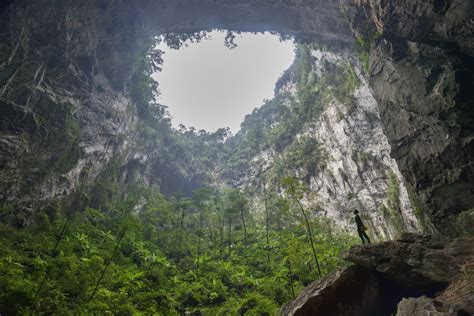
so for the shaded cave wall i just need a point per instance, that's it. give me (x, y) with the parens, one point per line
(420, 70)
(65, 68)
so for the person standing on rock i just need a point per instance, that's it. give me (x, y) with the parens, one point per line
(361, 228)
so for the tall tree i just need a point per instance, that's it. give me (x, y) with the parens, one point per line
(200, 199)
(296, 191)
(267, 220)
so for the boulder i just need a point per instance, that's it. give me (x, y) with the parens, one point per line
(351, 291)
(415, 260)
(428, 306)
(461, 291)
(414, 275)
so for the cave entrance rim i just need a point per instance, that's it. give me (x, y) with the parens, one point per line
(323, 21)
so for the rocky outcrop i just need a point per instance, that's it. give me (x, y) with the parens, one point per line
(353, 291)
(461, 292)
(65, 91)
(416, 260)
(358, 171)
(420, 58)
(63, 120)
(355, 169)
(428, 306)
(413, 275)
(66, 66)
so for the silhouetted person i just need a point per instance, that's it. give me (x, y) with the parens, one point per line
(361, 228)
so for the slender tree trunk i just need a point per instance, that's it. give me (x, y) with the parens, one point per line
(212, 233)
(61, 235)
(267, 227)
(310, 233)
(182, 235)
(221, 235)
(290, 277)
(199, 239)
(107, 265)
(229, 239)
(53, 252)
(242, 216)
(183, 215)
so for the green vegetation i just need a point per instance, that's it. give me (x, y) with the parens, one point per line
(296, 191)
(150, 254)
(54, 148)
(280, 124)
(306, 153)
(392, 212)
(364, 45)
(464, 224)
(69, 139)
(418, 210)
(120, 248)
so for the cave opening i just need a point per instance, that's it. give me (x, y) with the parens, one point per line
(109, 208)
(214, 83)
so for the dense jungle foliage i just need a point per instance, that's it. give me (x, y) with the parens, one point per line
(123, 248)
(209, 254)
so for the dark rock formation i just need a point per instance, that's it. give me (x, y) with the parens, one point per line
(419, 273)
(65, 70)
(420, 56)
(428, 306)
(461, 290)
(353, 291)
(416, 260)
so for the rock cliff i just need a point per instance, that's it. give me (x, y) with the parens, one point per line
(68, 112)
(351, 167)
(413, 275)
(418, 54)
(62, 118)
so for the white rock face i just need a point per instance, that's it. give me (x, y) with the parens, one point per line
(98, 142)
(359, 169)
(359, 172)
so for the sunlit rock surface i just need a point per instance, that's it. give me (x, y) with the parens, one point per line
(360, 172)
(428, 306)
(357, 171)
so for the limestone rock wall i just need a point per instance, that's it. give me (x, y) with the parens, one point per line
(414, 275)
(62, 119)
(356, 169)
(64, 69)
(420, 59)
(360, 173)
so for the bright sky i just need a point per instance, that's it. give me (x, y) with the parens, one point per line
(209, 86)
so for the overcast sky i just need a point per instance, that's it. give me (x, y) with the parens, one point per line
(209, 86)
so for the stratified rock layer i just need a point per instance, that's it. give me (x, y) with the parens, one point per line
(416, 260)
(420, 61)
(421, 274)
(353, 291)
(65, 70)
(354, 169)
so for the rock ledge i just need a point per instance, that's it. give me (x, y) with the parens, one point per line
(414, 275)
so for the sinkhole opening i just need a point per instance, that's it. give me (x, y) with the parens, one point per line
(214, 82)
